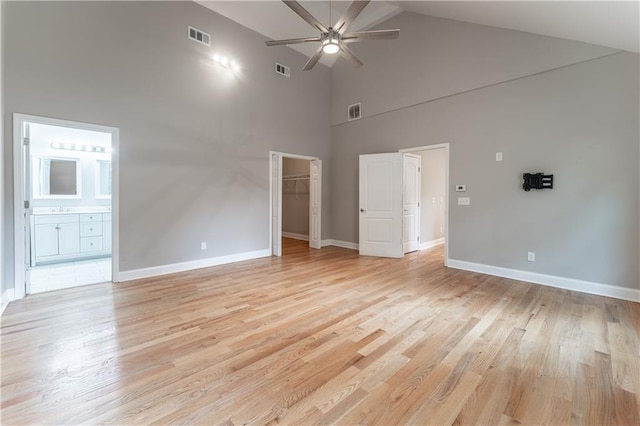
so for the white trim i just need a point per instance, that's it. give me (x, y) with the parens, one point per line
(550, 280)
(432, 243)
(344, 244)
(8, 295)
(155, 271)
(19, 264)
(444, 145)
(325, 243)
(295, 236)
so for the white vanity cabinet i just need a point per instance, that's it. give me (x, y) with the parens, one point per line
(56, 235)
(69, 236)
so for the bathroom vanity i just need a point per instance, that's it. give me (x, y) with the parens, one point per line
(63, 236)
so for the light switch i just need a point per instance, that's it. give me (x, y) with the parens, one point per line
(461, 188)
(464, 201)
(498, 156)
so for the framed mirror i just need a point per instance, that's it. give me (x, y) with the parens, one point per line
(103, 179)
(56, 178)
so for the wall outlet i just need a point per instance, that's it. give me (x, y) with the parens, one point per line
(464, 201)
(498, 156)
(531, 256)
(203, 245)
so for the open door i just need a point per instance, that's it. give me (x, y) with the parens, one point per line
(381, 205)
(315, 192)
(411, 202)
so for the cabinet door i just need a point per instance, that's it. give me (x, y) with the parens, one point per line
(46, 240)
(68, 238)
(106, 236)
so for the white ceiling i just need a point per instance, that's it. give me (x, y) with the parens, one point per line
(606, 23)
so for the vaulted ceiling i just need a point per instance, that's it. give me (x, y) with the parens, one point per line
(607, 23)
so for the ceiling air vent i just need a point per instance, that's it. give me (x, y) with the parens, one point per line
(283, 70)
(199, 36)
(354, 112)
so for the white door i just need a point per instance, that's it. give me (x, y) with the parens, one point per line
(315, 192)
(68, 238)
(46, 240)
(276, 204)
(411, 203)
(381, 205)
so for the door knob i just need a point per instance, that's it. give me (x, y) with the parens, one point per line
(362, 210)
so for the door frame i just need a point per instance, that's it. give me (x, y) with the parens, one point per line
(275, 212)
(19, 220)
(444, 145)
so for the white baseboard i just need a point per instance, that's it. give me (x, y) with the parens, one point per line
(432, 243)
(8, 296)
(325, 243)
(344, 244)
(550, 280)
(154, 271)
(295, 236)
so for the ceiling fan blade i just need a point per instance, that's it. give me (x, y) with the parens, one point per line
(304, 14)
(370, 35)
(350, 56)
(350, 15)
(313, 60)
(291, 41)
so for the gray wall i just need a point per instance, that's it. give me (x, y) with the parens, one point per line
(578, 121)
(295, 197)
(194, 139)
(433, 187)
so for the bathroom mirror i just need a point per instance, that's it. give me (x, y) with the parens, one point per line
(103, 179)
(56, 178)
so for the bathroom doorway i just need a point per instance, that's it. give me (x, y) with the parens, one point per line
(66, 207)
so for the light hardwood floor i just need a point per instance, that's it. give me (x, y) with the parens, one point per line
(321, 337)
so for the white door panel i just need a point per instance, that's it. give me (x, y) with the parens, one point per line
(381, 205)
(411, 202)
(315, 202)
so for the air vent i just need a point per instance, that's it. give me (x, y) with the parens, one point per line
(199, 36)
(283, 70)
(354, 112)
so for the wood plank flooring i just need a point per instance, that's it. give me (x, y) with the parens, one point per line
(321, 337)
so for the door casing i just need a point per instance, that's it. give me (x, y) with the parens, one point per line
(445, 146)
(21, 193)
(275, 200)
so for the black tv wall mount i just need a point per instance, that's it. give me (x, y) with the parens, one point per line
(537, 181)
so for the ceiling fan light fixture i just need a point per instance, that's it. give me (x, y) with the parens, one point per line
(330, 45)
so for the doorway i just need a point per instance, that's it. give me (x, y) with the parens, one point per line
(434, 198)
(65, 178)
(390, 213)
(296, 199)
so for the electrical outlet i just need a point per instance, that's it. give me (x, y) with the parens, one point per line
(531, 256)
(203, 245)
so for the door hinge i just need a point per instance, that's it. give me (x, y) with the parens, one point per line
(418, 169)
(26, 204)
(26, 141)
(418, 237)
(418, 203)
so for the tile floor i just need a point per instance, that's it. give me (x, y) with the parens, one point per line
(70, 274)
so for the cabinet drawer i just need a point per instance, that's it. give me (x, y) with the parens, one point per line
(55, 218)
(90, 229)
(106, 217)
(89, 244)
(91, 217)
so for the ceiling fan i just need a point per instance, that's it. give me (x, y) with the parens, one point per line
(334, 39)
